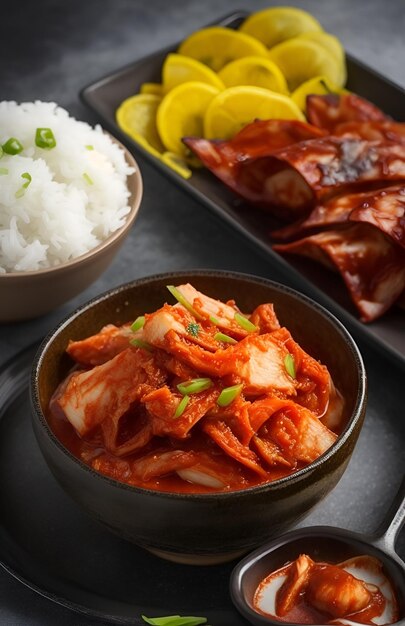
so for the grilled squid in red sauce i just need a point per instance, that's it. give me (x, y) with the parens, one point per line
(383, 208)
(372, 267)
(309, 592)
(372, 131)
(246, 166)
(335, 165)
(290, 180)
(196, 397)
(340, 174)
(363, 237)
(327, 112)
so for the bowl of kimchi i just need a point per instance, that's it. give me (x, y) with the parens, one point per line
(197, 414)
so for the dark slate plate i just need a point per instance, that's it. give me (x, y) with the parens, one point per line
(104, 96)
(48, 544)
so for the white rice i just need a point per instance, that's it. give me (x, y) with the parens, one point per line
(76, 198)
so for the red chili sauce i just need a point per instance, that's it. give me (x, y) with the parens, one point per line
(91, 451)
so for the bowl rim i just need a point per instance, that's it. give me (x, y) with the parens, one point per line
(291, 479)
(134, 201)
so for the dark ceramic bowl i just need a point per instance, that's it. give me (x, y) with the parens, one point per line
(201, 528)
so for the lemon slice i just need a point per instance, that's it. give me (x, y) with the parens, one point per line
(136, 116)
(274, 25)
(256, 71)
(300, 59)
(176, 163)
(328, 41)
(236, 107)
(178, 69)
(332, 45)
(217, 46)
(153, 88)
(181, 114)
(320, 85)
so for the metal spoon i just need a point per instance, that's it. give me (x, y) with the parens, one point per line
(322, 543)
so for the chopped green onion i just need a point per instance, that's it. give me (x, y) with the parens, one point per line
(87, 178)
(195, 385)
(1, 152)
(44, 138)
(3, 171)
(174, 620)
(12, 146)
(21, 191)
(193, 329)
(138, 324)
(290, 365)
(214, 320)
(245, 323)
(224, 338)
(138, 343)
(180, 298)
(181, 406)
(89, 147)
(229, 394)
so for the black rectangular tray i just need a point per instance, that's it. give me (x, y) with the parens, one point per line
(105, 95)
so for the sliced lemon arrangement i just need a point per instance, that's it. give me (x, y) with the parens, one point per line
(220, 79)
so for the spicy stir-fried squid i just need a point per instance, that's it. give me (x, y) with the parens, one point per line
(196, 397)
(337, 179)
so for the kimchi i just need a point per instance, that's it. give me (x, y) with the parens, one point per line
(306, 591)
(196, 397)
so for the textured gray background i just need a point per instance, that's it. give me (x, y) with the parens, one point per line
(49, 50)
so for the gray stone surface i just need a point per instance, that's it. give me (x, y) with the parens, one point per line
(49, 50)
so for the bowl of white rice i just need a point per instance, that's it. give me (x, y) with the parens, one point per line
(69, 194)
